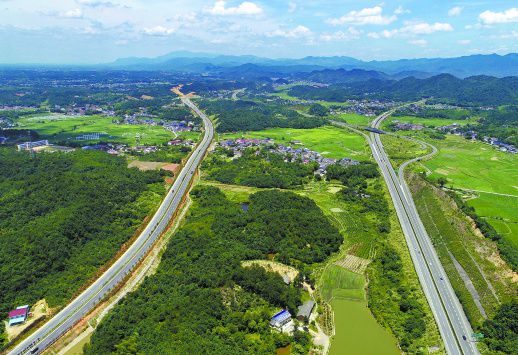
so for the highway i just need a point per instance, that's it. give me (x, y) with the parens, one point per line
(88, 299)
(452, 322)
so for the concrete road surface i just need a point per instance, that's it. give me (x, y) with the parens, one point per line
(452, 322)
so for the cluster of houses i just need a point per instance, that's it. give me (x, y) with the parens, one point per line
(365, 108)
(283, 320)
(119, 149)
(293, 152)
(173, 126)
(503, 147)
(407, 126)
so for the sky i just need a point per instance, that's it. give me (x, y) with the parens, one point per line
(100, 31)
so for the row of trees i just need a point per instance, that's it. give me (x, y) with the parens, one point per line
(201, 300)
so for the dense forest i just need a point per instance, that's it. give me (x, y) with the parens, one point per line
(201, 300)
(258, 169)
(62, 217)
(234, 116)
(501, 332)
(476, 90)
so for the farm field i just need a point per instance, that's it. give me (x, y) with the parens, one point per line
(344, 290)
(480, 167)
(353, 119)
(330, 141)
(60, 128)
(429, 122)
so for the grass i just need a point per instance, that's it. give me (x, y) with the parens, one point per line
(501, 212)
(400, 150)
(359, 238)
(330, 141)
(430, 122)
(61, 128)
(339, 283)
(353, 119)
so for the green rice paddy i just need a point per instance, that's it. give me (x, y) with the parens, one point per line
(61, 128)
(481, 167)
(430, 122)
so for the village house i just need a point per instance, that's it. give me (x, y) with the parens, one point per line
(305, 310)
(18, 315)
(280, 319)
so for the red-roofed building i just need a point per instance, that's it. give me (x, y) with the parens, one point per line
(18, 315)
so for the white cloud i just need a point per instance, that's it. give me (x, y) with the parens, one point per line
(348, 35)
(159, 31)
(96, 3)
(490, 17)
(297, 32)
(464, 41)
(245, 8)
(412, 29)
(400, 10)
(366, 16)
(454, 11)
(426, 28)
(418, 42)
(292, 6)
(75, 13)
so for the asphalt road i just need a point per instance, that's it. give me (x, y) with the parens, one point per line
(446, 308)
(86, 301)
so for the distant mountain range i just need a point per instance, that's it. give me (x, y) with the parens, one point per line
(228, 65)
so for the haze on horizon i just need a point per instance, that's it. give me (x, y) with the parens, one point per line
(97, 31)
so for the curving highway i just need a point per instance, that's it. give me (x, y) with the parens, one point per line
(453, 325)
(88, 299)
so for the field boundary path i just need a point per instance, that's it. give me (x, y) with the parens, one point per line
(119, 271)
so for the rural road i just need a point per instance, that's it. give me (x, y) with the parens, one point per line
(452, 322)
(88, 299)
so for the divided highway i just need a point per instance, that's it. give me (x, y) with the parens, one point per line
(87, 300)
(446, 308)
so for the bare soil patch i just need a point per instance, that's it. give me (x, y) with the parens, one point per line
(146, 165)
(273, 266)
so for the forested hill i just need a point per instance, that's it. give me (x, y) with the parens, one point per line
(62, 216)
(475, 90)
(234, 116)
(201, 300)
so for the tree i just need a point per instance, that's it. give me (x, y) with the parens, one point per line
(442, 181)
(318, 110)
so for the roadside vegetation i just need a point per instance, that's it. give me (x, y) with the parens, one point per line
(64, 216)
